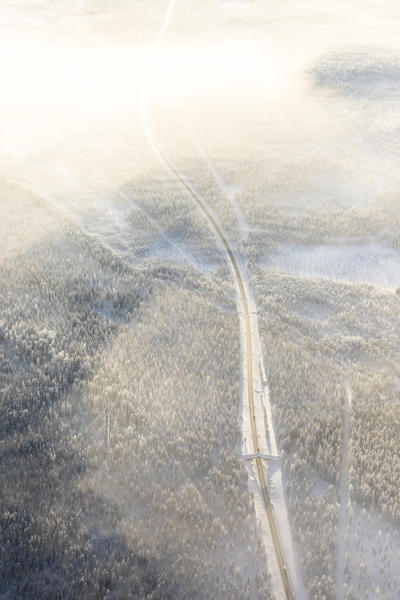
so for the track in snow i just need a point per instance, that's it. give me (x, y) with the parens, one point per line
(343, 497)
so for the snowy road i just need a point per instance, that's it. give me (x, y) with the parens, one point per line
(281, 583)
(283, 570)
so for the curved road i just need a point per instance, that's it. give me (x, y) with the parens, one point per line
(249, 360)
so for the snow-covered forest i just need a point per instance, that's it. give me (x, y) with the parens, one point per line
(200, 300)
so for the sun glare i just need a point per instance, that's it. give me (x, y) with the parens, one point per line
(49, 89)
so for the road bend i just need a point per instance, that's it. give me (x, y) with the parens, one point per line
(249, 360)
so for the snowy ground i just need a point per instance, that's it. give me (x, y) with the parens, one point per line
(285, 119)
(372, 556)
(268, 445)
(373, 263)
(343, 521)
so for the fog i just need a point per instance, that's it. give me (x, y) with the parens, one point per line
(120, 350)
(376, 264)
(306, 90)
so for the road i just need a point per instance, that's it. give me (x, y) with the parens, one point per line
(249, 362)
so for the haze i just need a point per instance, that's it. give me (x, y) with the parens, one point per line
(200, 299)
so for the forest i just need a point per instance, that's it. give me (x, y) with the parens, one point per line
(120, 468)
(193, 195)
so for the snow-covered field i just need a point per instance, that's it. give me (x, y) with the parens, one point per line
(373, 263)
(122, 336)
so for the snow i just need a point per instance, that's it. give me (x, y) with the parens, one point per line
(165, 25)
(312, 310)
(176, 252)
(267, 447)
(320, 486)
(228, 190)
(171, 251)
(267, 444)
(375, 263)
(19, 208)
(373, 555)
(100, 208)
(359, 75)
(80, 87)
(273, 468)
(234, 3)
(264, 445)
(343, 497)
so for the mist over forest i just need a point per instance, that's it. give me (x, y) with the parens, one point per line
(199, 300)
